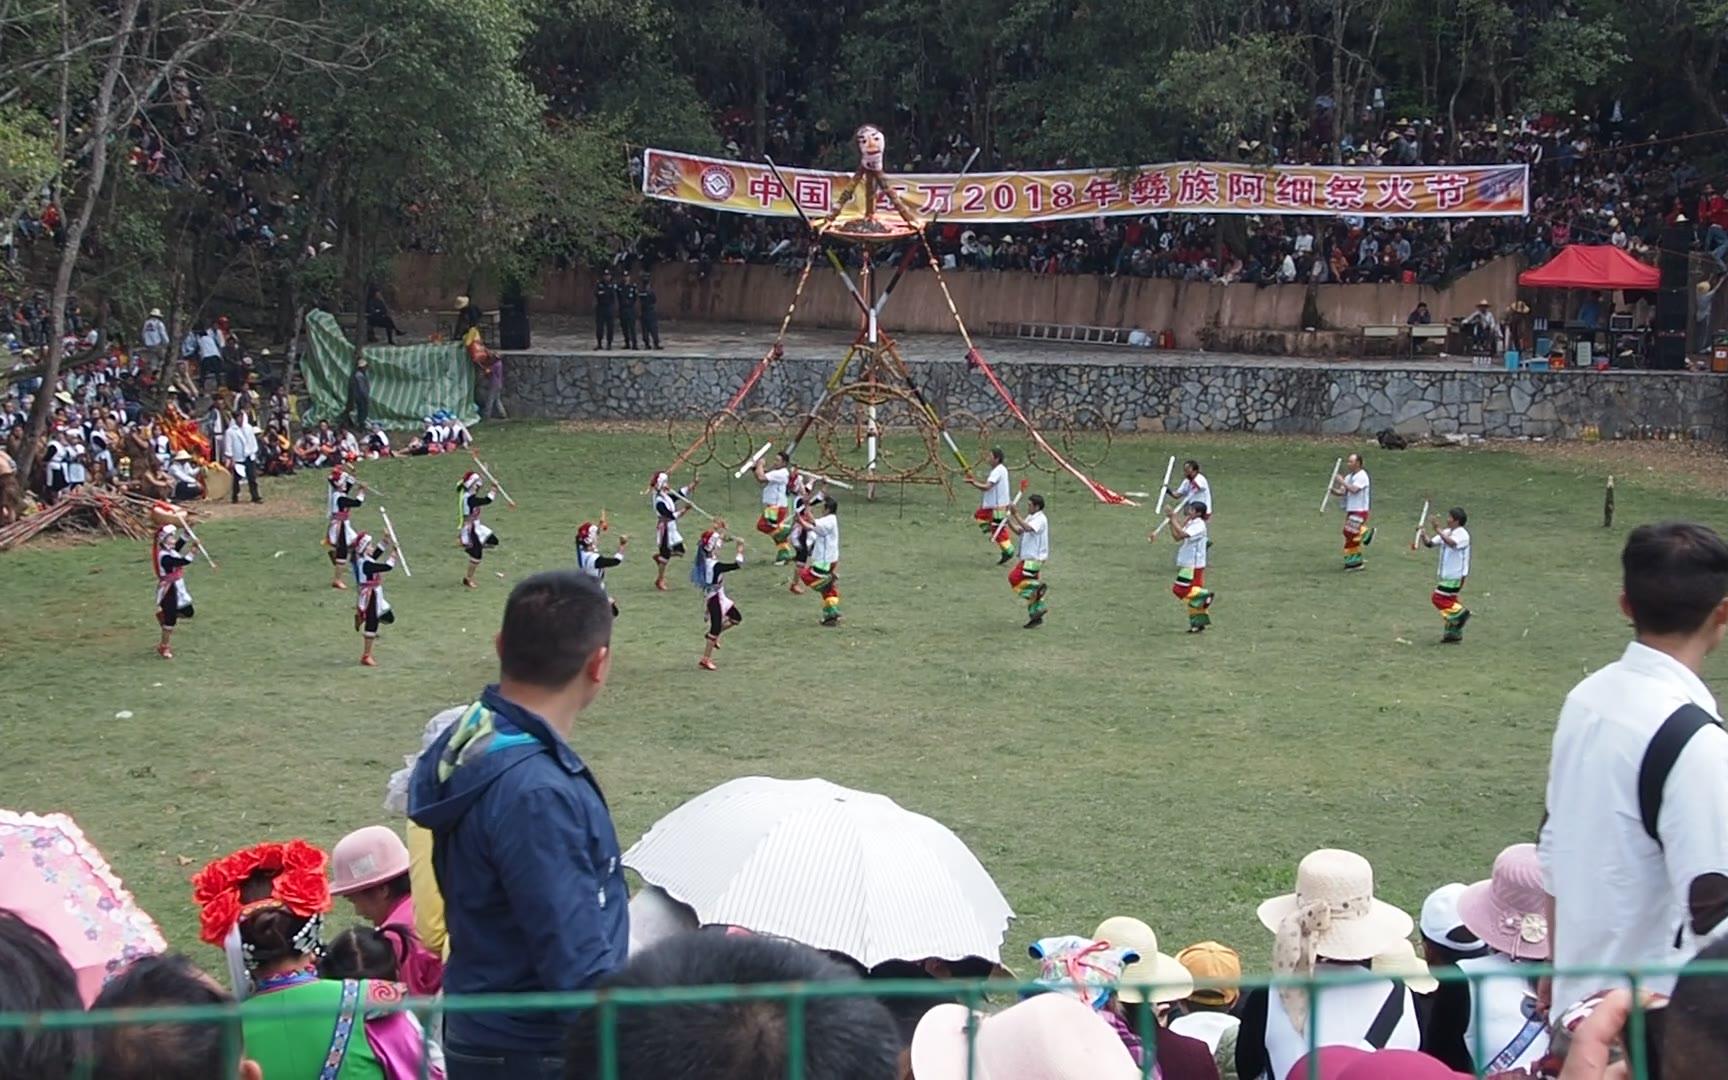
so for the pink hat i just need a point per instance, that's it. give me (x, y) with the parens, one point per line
(1509, 911)
(1398, 1065)
(1047, 1037)
(1325, 1063)
(1354, 1063)
(367, 857)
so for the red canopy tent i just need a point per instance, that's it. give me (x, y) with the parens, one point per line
(1592, 266)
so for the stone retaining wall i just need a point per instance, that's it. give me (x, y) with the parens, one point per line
(1329, 400)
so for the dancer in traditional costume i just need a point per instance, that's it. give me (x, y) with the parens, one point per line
(805, 494)
(170, 558)
(670, 504)
(1453, 540)
(993, 505)
(705, 574)
(370, 560)
(1352, 486)
(1188, 529)
(1194, 488)
(594, 564)
(822, 521)
(1027, 577)
(474, 537)
(776, 520)
(346, 493)
(265, 907)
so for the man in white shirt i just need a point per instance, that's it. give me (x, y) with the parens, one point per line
(1194, 488)
(1351, 486)
(1634, 846)
(1027, 577)
(775, 522)
(1453, 540)
(822, 520)
(993, 505)
(1188, 529)
(240, 448)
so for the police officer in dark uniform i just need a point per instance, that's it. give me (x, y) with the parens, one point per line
(605, 294)
(627, 310)
(650, 315)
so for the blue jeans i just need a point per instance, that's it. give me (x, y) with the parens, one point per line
(485, 1063)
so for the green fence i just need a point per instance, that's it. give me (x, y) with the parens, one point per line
(978, 995)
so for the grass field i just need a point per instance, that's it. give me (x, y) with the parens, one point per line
(1108, 763)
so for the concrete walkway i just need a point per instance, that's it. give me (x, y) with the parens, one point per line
(563, 335)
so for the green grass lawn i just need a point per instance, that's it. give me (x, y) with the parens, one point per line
(1109, 763)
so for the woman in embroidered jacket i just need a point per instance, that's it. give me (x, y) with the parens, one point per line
(264, 906)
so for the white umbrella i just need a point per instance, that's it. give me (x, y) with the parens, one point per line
(837, 869)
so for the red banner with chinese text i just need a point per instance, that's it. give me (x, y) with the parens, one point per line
(1190, 187)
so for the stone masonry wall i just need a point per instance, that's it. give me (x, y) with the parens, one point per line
(1328, 400)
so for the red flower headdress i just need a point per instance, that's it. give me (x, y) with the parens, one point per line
(299, 886)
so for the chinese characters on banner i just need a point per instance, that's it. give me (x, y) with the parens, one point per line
(1183, 187)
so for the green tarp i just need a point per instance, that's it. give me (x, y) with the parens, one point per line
(409, 382)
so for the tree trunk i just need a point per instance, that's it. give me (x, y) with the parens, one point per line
(102, 122)
(1340, 121)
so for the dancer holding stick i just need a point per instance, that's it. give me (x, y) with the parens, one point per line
(669, 542)
(471, 535)
(776, 520)
(1453, 540)
(993, 504)
(1353, 488)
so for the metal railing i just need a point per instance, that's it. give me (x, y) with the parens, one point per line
(976, 995)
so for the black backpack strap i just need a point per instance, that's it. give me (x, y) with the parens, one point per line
(1660, 758)
(1380, 1031)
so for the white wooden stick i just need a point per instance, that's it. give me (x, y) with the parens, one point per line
(693, 506)
(199, 544)
(1420, 520)
(1326, 498)
(493, 480)
(754, 458)
(1164, 488)
(841, 484)
(395, 543)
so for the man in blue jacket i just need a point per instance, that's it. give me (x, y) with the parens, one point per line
(523, 845)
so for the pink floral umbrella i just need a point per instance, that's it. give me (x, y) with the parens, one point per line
(57, 881)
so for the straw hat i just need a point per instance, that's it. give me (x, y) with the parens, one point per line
(1334, 898)
(182, 455)
(1509, 910)
(155, 313)
(461, 301)
(1401, 964)
(366, 857)
(1168, 979)
(1048, 1037)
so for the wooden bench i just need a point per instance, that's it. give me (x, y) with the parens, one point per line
(488, 324)
(1382, 338)
(1430, 336)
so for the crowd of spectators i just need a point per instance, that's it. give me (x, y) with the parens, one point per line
(161, 418)
(470, 903)
(1593, 180)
